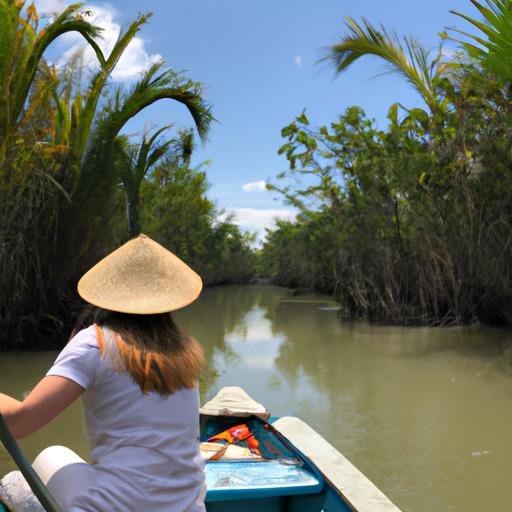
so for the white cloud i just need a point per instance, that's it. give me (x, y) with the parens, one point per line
(135, 58)
(255, 186)
(298, 60)
(254, 220)
(49, 7)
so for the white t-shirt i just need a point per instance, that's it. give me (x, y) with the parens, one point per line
(146, 446)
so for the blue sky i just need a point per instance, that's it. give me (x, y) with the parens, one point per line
(259, 64)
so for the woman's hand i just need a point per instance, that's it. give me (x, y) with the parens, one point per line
(49, 398)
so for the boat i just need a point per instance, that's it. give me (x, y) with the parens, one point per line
(294, 470)
(255, 462)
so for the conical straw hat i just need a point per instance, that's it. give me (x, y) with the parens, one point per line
(141, 277)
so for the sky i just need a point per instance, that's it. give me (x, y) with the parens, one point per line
(259, 63)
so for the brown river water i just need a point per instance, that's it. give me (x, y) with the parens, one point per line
(425, 413)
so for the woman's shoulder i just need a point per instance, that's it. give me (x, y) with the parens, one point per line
(87, 337)
(80, 359)
(84, 342)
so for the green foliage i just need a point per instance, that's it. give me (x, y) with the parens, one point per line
(22, 47)
(66, 174)
(405, 224)
(492, 46)
(177, 213)
(136, 164)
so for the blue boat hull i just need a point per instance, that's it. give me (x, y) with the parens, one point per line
(285, 481)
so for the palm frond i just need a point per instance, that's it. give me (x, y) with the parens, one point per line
(153, 87)
(492, 46)
(405, 56)
(98, 83)
(145, 158)
(157, 150)
(68, 21)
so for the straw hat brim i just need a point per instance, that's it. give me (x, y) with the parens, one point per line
(141, 277)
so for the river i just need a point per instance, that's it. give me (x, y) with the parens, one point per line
(425, 413)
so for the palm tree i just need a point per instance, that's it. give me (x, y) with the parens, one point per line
(22, 46)
(155, 85)
(138, 162)
(76, 110)
(441, 83)
(406, 57)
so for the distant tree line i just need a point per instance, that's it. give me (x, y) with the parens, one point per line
(411, 223)
(72, 188)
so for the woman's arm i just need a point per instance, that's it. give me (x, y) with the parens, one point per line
(49, 398)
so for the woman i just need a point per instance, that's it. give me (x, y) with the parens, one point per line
(137, 374)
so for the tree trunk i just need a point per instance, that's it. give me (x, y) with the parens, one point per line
(132, 213)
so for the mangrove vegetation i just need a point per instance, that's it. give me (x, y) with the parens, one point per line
(410, 223)
(72, 187)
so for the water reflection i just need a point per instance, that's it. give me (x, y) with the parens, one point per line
(211, 319)
(426, 413)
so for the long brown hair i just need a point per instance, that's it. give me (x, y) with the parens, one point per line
(153, 349)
